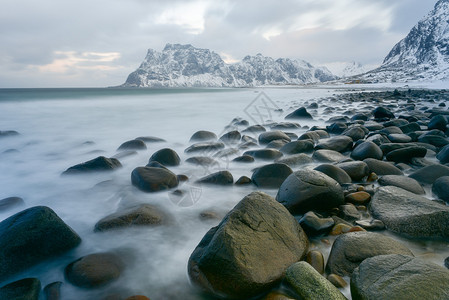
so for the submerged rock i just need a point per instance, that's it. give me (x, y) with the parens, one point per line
(203, 135)
(300, 113)
(441, 188)
(150, 179)
(132, 145)
(429, 174)
(166, 157)
(11, 202)
(24, 289)
(32, 236)
(98, 164)
(271, 176)
(218, 178)
(249, 251)
(403, 182)
(340, 144)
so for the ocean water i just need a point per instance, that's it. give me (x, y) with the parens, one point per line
(63, 127)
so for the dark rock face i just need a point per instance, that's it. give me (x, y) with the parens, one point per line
(32, 236)
(429, 174)
(441, 188)
(307, 190)
(357, 170)
(94, 270)
(133, 145)
(202, 136)
(350, 249)
(167, 157)
(144, 214)
(381, 167)
(98, 164)
(367, 150)
(271, 176)
(406, 154)
(218, 178)
(150, 179)
(24, 289)
(340, 144)
(383, 113)
(399, 277)
(249, 251)
(404, 182)
(300, 113)
(409, 214)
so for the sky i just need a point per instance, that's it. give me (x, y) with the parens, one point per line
(97, 43)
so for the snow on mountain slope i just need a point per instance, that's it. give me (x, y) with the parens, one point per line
(186, 66)
(347, 69)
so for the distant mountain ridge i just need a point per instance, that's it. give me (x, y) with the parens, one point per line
(186, 66)
(423, 54)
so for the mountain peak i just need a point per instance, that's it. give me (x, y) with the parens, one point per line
(169, 47)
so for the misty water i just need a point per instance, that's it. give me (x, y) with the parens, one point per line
(63, 127)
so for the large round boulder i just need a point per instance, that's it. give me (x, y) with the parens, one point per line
(248, 252)
(166, 157)
(218, 178)
(357, 170)
(367, 150)
(328, 156)
(409, 214)
(334, 172)
(271, 176)
(266, 137)
(132, 145)
(203, 135)
(32, 236)
(306, 190)
(297, 147)
(429, 174)
(382, 167)
(404, 182)
(406, 154)
(350, 249)
(150, 179)
(398, 277)
(340, 144)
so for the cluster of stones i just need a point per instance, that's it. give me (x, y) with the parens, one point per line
(358, 175)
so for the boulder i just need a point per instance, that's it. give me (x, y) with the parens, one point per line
(355, 133)
(271, 176)
(398, 277)
(264, 154)
(244, 159)
(295, 160)
(383, 113)
(429, 174)
(315, 225)
(6, 133)
(300, 113)
(24, 289)
(309, 284)
(32, 236)
(249, 251)
(266, 137)
(357, 170)
(132, 145)
(205, 147)
(255, 129)
(297, 147)
(328, 156)
(350, 249)
(150, 139)
(202, 136)
(399, 138)
(443, 155)
(406, 154)
(381, 167)
(231, 137)
(99, 164)
(441, 188)
(150, 179)
(52, 291)
(144, 214)
(11, 202)
(334, 172)
(436, 140)
(367, 150)
(404, 182)
(218, 178)
(340, 144)
(306, 190)
(438, 122)
(166, 157)
(409, 214)
(94, 270)
(204, 161)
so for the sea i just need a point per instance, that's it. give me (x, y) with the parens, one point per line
(59, 128)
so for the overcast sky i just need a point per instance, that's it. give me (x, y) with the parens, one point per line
(96, 43)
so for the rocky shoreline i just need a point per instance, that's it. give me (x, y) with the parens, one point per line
(377, 170)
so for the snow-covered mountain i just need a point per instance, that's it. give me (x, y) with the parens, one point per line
(347, 69)
(421, 56)
(186, 66)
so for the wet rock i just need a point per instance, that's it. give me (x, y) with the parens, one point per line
(367, 150)
(438, 122)
(124, 154)
(403, 182)
(144, 214)
(349, 212)
(350, 249)
(264, 154)
(316, 259)
(310, 284)
(300, 113)
(218, 178)
(203, 136)
(315, 225)
(436, 140)
(99, 164)
(255, 129)
(209, 147)
(310, 135)
(358, 198)
(167, 157)
(306, 190)
(11, 202)
(53, 291)
(328, 156)
(94, 270)
(372, 225)
(399, 277)
(411, 127)
(32, 236)
(277, 296)
(381, 167)
(383, 113)
(267, 137)
(409, 214)
(276, 144)
(132, 145)
(271, 176)
(446, 262)
(337, 281)
(202, 161)
(399, 138)
(334, 172)
(24, 289)
(150, 179)
(391, 130)
(150, 139)
(355, 133)
(243, 180)
(155, 164)
(406, 154)
(244, 159)
(443, 155)
(339, 143)
(248, 252)
(429, 174)
(357, 170)
(441, 188)
(295, 160)
(285, 125)
(297, 147)
(337, 128)
(6, 133)
(231, 137)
